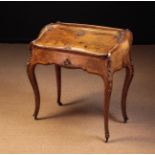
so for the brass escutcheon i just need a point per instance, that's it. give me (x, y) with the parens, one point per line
(67, 62)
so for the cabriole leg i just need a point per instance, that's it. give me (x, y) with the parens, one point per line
(58, 80)
(32, 78)
(107, 95)
(127, 82)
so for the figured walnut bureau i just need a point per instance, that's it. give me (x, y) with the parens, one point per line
(95, 49)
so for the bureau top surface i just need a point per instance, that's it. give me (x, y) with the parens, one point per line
(89, 39)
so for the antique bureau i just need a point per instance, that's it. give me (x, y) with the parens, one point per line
(95, 49)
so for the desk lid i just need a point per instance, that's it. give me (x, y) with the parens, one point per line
(89, 39)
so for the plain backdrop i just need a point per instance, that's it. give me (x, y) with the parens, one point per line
(22, 21)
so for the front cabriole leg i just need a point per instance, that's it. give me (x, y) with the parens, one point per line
(32, 78)
(107, 78)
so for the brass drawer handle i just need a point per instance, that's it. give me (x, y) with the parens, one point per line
(67, 62)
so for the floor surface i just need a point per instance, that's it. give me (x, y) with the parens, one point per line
(76, 127)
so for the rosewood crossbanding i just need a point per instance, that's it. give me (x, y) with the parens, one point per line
(95, 49)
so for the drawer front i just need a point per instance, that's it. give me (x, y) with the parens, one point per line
(69, 60)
